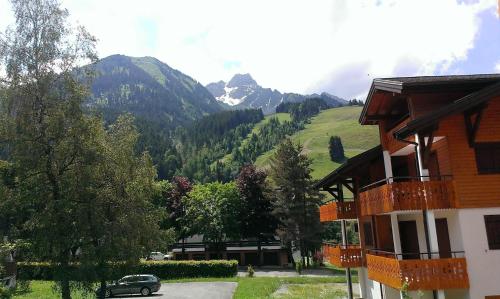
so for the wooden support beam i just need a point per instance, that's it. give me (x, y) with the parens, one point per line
(472, 126)
(340, 192)
(346, 184)
(332, 193)
(426, 147)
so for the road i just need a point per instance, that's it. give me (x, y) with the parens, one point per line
(193, 290)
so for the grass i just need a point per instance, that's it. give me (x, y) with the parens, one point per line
(315, 137)
(46, 290)
(320, 291)
(256, 287)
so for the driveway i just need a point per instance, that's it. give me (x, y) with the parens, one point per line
(193, 290)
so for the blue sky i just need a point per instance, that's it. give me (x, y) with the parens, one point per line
(303, 46)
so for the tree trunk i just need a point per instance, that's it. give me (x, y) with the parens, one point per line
(102, 290)
(259, 250)
(65, 289)
(183, 248)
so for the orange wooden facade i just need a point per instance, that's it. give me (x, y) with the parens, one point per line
(387, 139)
(472, 189)
(433, 274)
(455, 156)
(337, 211)
(401, 196)
(348, 256)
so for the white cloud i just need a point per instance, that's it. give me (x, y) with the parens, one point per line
(289, 45)
(497, 67)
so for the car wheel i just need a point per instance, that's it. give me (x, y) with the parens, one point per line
(145, 291)
(108, 294)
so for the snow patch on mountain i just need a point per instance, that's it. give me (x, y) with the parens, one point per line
(242, 91)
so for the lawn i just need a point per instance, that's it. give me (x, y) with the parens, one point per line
(248, 288)
(46, 290)
(314, 138)
(319, 290)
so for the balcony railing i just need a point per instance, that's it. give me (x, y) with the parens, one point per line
(419, 274)
(407, 193)
(343, 256)
(337, 211)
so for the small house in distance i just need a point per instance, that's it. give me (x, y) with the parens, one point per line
(244, 251)
(427, 200)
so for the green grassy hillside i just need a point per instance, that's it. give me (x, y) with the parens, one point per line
(336, 121)
(256, 129)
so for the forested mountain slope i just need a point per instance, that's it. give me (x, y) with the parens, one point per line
(150, 89)
(343, 122)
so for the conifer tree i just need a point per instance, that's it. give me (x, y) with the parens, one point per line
(336, 149)
(296, 203)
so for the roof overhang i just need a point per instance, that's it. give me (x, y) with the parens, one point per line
(404, 86)
(349, 168)
(468, 102)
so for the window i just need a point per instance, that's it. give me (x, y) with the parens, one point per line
(367, 227)
(488, 157)
(492, 223)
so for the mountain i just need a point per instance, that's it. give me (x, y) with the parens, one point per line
(314, 138)
(149, 89)
(242, 91)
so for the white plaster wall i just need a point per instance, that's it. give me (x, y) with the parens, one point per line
(483, 265)
(391, 293)
(372, 287)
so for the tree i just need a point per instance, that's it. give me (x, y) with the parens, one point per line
(336, 149)
(172, 199)
(296, 203)
(212, 210)
(255, 216)
(45, 128)
(77, 186)
(118, 221)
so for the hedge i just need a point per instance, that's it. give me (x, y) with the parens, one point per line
(162, 269)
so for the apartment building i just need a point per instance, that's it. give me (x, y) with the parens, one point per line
(426, 202)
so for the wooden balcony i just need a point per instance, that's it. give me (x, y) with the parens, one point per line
(337, 211)
(343, 256)
(430, 274)
(407, 195)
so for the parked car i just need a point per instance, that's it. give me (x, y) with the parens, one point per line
(158, 256)
(144, 284)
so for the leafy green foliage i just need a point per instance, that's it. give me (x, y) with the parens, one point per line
(162, 269)
(256, 219)
(75, 185)
(250, 271)
(212, 210)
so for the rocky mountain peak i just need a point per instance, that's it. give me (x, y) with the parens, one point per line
(241, 80)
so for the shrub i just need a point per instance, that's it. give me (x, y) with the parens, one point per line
(250, 271)
(162, 269)
(5, 293)
(298, 267)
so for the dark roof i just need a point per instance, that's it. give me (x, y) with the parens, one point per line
(420, 83)
(469, 101)
(349, 165)
(453, 79)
